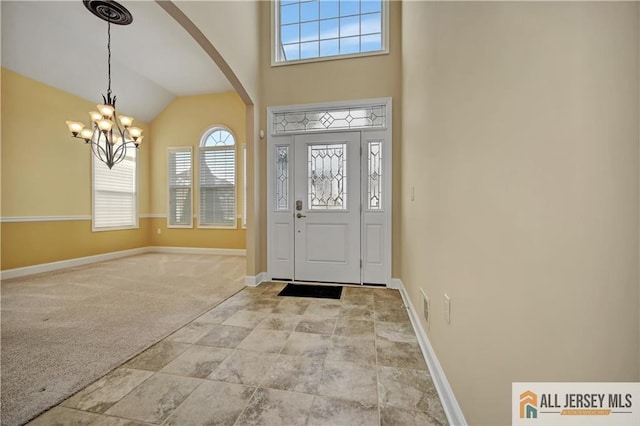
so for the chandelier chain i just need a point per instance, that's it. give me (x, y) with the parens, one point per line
(109, 56)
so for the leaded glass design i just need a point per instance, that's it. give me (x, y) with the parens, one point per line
(323, 28)
(282, 177)
(374, 173)
(330, 119)
(327, 176)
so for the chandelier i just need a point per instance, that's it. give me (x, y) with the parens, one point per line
(110, 134)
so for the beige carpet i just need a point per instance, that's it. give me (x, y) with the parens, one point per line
(63, 330)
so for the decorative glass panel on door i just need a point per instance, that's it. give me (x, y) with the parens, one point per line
(282, 177)
(374, 175)
(327, 176)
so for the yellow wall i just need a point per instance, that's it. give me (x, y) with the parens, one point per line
(46, 172)
(521, 130)
(183, 123)
(327, 81)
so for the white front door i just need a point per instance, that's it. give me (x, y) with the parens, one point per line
(327, 207)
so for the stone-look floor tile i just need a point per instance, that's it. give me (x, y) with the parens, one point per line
(352, 349)
(280, 322)
(400, 354)
(316, 325)
(359, 299)
(327, 411)
(326, 310)
(101, 395)
(197, 361)
(387, 294)
(307, 345)
(355, 328)
(405, 388)
(294, 373)
(270, 407)
(103, 420)
(345, 380)
(61, 416)
(192, 332)
(356, 312)
(396, 332)
(247, 319)
(212, 403)
(270, 341)
(225, 336)
(356, 291)
(217, 315)
(291, 306)
(392, 315)
(262, 305)
(243, 367)
(393, 416)
(271, 289)
(155, 399)
(157, 356)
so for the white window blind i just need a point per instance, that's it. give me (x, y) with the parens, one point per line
(180, 177)
(217, 179)
(115, 194)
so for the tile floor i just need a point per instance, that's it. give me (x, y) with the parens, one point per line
(260, 359)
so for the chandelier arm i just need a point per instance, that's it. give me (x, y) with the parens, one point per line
(97, 149)
(120, 153)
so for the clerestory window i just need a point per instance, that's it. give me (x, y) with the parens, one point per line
(307, 30)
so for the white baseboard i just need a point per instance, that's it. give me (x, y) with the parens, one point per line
(79, 261)
(395, 283)
(449, 402)
(69, 263)
(196, 250)
(255, 280)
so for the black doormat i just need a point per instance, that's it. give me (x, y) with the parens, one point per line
(307, 290)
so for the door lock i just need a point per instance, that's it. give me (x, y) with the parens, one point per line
(299, 205)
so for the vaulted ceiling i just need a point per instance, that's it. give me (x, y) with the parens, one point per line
(62, 44)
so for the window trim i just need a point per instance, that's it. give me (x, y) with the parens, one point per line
(169, 151)
(244, 186)
(201, 148)
(275, 40)
(136, 214)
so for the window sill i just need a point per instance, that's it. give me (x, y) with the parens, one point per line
(116, 228)
(233, 227)
(275, 63)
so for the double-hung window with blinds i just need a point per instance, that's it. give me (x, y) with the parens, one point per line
(115, 194)
(180, 177)
(217, 179)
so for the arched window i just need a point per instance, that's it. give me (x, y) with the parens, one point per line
(217, 178)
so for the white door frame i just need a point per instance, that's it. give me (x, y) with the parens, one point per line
(375, 221)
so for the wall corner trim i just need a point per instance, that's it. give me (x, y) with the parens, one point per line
(449, 402)
(255, 280)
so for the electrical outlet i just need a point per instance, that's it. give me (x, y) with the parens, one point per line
(159, 231)
(447, 309)
(426, 307)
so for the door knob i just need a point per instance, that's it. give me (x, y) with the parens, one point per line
(299, 215)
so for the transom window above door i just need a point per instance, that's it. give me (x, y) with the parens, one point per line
(308, 30)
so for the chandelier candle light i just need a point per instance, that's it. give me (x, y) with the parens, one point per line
(110, 134)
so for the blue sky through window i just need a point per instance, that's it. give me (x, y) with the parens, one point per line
(320, 28)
